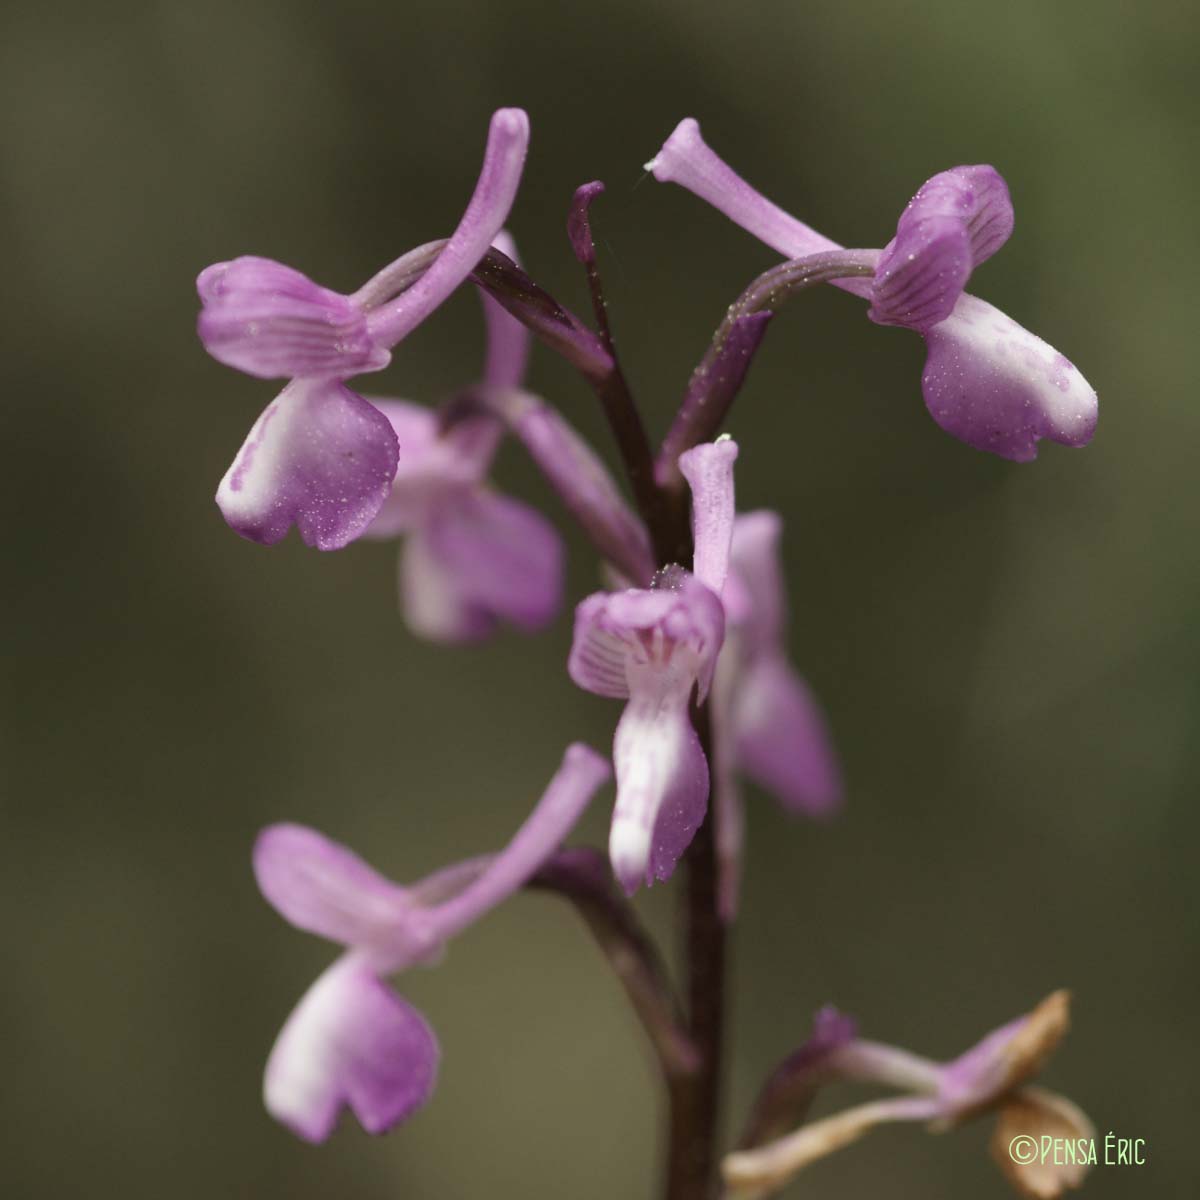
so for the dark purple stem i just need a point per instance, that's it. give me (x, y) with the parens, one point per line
(582, 877)
(785, 1096)
(564, 332)
(692, 1143)
(579, 230)
(716, 381)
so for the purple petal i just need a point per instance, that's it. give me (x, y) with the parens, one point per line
(270, 321)
(975, 196)
(351, 1041)
(507, 339)
(432, 604)
(495, 191)
(781, 739)
(662, 780)
(686, 159)
(709, 472)
(761, 609)
(1005, 1057)
(997, 387)
(418, 469)
(921, 275)
(619, 632)
(955, 221)
(324, 888)
(576, 781)
(320, 458)
(431, 464)
(583, 482)
(791, 1087)
(478, 559)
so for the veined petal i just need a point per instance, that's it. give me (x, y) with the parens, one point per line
(956, 220)
(319, 457)
(781, 739)
(495, 191)
(708, 470)
(676, 627)
(997, 387)
(920, 277)
(977, 196)
(480, 558)
(272, 322)
(325, 888)
(351, 1041)
(662, 779)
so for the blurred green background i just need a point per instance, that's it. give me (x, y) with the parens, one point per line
(1008, 653)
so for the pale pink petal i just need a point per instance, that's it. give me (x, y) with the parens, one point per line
(320, 458)
(495, 191)
(709, 472)
(662, 779)
(507, 338)
(782, 740)
(759, 610)
(567, 795)
(272, 322)
(997, 387)
(350, 1042)
(503, 558)
(325, 888)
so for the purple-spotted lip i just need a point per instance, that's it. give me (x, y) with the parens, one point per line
(680, 628)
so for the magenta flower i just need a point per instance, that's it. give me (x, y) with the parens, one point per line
(992, 1076)
(320, 457)
(352, 1041)
(655, 647)
(987, 381)
(471, 557)
(767, 724)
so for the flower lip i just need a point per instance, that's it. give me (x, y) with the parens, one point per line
(351, 1041)
(320, 458)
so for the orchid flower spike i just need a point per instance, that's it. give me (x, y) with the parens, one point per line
(654, 647)
(321, 457)
(766, 722)
(471, 557)
(987, 381)
(993, 1076)
(352, 1041)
